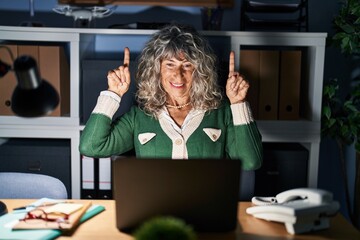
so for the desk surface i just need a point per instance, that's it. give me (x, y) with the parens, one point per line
(103, 226)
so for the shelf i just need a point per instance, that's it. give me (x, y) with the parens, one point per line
(36, 131)
(40, 121)
(289, 131)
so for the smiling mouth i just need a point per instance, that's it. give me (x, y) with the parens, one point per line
(177, 85)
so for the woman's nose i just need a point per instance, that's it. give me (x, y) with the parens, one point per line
(178, 72)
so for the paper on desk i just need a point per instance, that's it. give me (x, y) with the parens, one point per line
(38, 234)
(66, 208)
(72, 221)
(8, 220)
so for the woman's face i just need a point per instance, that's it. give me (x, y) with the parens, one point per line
(176, 77)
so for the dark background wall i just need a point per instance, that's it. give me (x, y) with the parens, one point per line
(321, 13)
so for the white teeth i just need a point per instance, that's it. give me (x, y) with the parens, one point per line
(177, 85)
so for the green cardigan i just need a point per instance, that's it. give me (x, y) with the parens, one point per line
(216, 137)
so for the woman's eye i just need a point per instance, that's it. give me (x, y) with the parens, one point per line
(187, 66)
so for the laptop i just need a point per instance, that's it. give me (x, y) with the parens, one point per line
(203, 193)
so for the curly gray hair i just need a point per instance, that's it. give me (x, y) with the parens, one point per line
(171, 41)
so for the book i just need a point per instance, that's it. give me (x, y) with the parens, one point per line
(63, 215)
(8, 220)
(92, 211)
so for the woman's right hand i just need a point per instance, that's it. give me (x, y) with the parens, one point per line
(119, 78)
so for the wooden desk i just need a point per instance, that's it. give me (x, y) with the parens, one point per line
(103, 226)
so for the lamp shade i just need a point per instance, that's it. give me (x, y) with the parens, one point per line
(33, 96)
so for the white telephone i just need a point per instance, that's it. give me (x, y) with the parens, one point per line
(301, 209)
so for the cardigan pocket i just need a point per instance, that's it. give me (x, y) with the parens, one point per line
(213, 146)
(213, 133)
(146, 147)
(145, 137)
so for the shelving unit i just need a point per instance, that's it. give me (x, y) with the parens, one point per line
(101, 43)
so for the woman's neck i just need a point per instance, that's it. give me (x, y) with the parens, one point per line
(179, 113)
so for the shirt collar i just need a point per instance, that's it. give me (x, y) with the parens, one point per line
(164, 113)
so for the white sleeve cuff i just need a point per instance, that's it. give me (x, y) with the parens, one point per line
(241, 113)
(107, 104)
(111, 94)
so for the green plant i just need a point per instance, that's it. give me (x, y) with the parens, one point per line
(164, 228)
(341, 115)
(347, 27)
(341, 122)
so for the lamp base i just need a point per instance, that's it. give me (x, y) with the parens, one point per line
(3, 208)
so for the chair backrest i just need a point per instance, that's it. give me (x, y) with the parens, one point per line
(247, 185)
(31, 185)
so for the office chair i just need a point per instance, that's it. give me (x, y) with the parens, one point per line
(247, 185)
(30, 185)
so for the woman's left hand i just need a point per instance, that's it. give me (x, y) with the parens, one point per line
(236, 86)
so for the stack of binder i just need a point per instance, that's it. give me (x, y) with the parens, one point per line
(96, 178)
(275, 78)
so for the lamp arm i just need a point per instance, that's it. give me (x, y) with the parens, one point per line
(10, 53)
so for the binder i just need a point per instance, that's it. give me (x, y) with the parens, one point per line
(31, 50)
(290, 79)
(105, 191)
(54, 68)
(96, 178)
(88, 177)
(7, 82)
(249, 68)
(269, 84)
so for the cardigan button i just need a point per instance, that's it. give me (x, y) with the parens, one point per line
(178, 141)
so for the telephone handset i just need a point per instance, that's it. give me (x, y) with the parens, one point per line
(301, 209)
(312, 195)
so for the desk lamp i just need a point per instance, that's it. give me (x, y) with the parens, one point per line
(33, 96)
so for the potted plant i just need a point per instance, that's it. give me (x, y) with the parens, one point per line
(165, 228)
(341, 115)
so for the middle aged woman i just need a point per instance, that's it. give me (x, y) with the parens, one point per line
(181, 113)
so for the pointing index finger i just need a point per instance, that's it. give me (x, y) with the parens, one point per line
(232, 62)
(126, 57)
